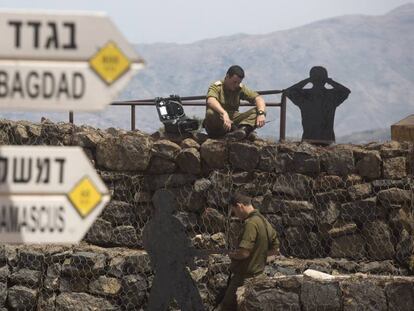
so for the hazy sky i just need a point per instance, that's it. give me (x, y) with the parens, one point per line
(185, 21)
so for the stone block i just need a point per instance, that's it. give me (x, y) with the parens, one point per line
(348, 246)
(22, 298)
(380, 243)
(362, 210)
(269, 299)
(159, 165)
(400, 296)
(134, 288)
(105, 286)
(369, 166)
(25, 277)
(243, 156)
(363, 295)
(130, 152)
(305, 163)
(394, 168)
(165, 149)
(338, 162)
(82, 301)
(294, 186)
(360, 191)
(189, 161)
(325, 183)
(317, 296)
(190, 143)
(214, 153)
(394, 196)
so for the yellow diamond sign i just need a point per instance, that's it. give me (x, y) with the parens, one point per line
(84, 197)
(109, 63)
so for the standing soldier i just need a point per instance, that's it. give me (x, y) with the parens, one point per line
(257, 241)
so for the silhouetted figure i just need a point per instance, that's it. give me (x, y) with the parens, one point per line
(318, 104)
(169, 249)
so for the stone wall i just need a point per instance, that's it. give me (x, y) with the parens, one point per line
(68, 278)
(340, 209)
(339, 293)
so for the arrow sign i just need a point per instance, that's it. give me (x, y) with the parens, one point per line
(60, 61)
(48, 194)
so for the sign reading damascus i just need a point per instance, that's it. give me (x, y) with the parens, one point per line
(48, 194)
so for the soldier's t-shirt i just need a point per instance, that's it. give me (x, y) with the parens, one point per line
(259, 237)
(230, 100)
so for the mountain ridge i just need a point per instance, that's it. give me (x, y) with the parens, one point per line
(372, 55)
(402, 9)
(366, 53)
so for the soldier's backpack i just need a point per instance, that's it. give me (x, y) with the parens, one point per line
(171, 114)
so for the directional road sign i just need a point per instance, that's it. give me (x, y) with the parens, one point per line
(60, 61)
(48, 194)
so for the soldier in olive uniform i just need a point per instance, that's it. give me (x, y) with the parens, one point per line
(223, 101)
(257, 241)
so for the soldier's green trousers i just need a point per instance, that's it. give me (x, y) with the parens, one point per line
(229, 302)
(214, 124)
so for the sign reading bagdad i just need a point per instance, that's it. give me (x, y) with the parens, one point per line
(48, 197)
(60, 61)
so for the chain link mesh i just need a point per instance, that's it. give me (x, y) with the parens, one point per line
(327, 218)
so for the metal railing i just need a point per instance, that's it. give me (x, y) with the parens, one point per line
(201, 101)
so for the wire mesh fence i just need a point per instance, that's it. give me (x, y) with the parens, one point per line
(339, 211)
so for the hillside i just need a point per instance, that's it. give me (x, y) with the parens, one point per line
(364, 137)
(372, 55)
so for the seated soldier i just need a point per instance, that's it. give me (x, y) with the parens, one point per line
(222, 112)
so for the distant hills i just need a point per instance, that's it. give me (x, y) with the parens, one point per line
(372, 55)
(364, 137)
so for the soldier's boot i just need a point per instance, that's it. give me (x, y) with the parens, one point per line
(252, 136)
(240, 133)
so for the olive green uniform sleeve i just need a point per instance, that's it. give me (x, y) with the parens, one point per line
(248, 94)
(214, 91)
(249, 236)
(274, 241)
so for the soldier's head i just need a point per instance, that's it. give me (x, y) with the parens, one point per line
(234, 76)
(241, 205)
(318, 75)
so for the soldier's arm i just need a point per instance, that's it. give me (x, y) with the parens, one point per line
(260, 106)
(246, 243)
(341, 92)
(213, 94)
(274, 248)
(253, 97)
(214, 104)
(297, 86)
(260, 103)
(295, 92)
(338, 86)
